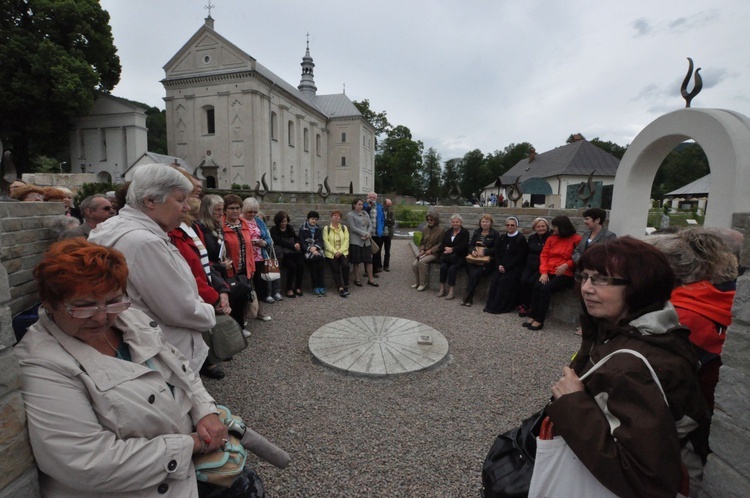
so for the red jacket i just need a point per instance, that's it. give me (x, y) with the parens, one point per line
(189, 251)
(706, 311)
(558, 250)
(232, 245)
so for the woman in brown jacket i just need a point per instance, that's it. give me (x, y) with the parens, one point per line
(429, 249)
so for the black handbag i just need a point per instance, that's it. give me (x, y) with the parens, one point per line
(506, 472)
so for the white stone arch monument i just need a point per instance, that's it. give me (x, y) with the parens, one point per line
(724, 137)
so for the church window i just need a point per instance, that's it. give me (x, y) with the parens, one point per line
(343, 137)
(306, 139)
(274, 126)
(290, 132)
(317, 144)
(209, 120)
(343, 161)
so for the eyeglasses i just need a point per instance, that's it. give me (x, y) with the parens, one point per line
(233, 208)
(106, 208)
(251, 212)
(89, 311)
(510, 224)
(602, 280)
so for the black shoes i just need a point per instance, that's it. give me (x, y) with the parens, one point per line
(212, 371)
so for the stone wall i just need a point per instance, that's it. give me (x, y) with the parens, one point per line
(26, 230)
(728, 470)
(73, 181)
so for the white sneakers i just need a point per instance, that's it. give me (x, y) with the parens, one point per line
(246, 333)
(277, 297)
(270, 300)
(421, 288)
(264, 318)
(414, 286)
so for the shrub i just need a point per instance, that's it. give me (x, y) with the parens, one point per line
(88, 189)
(417, 238)
(236, 186)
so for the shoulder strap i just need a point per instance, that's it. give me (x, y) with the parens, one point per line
(637, 355)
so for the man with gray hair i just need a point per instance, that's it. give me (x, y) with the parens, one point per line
(95, 209)
(160, 282)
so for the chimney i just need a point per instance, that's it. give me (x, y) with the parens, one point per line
(532, 154)
(577, 137)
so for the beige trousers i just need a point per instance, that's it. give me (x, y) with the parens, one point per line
(421, 268)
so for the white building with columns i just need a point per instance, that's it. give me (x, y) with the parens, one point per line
(236, 121)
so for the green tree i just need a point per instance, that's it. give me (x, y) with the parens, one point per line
(156, 122)
(54, 56)
(473, 173)
(616, 150)
(431, 171)
(451, 175)
(378, 119)
(398, 163)
(685, 164)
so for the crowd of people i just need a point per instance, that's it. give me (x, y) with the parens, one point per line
(172, 260)
(666, 298)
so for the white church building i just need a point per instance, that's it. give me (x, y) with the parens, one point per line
(231, 120)
(235, 122)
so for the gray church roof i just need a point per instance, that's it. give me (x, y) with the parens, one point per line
(336, 106)
(575, 159)
(699, 186)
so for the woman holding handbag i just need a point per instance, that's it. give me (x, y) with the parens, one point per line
(312, 246)
(479, 259)
(627, 421)
(243, 245)
(360, 240)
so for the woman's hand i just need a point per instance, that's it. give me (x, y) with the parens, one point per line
(544, 278)
(568, 383)
(297, 246)
(228, 264)
(222, 306)
(448, 250)
(212, 431)
(561, 269)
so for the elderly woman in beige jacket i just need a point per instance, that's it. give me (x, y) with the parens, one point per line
(160, 282)
(429, 249)
(112, 409)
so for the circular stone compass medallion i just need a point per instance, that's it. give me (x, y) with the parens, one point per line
(378, 345)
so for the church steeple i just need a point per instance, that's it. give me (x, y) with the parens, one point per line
(307, 82)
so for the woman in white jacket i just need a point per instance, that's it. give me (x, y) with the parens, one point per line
(160, 282)
(112, 409)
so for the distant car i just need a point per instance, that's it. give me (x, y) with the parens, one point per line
(422, 203)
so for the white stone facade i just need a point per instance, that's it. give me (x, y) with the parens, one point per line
(237, 121)
(109, 139)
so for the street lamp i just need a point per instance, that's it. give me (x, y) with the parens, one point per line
(82, 160)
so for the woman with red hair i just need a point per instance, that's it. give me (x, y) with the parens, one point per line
(112, 409)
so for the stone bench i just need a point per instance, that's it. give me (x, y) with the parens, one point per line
(564, 306)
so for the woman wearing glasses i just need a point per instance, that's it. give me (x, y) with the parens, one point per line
(112, 410)
(627, 429)
(555, 270)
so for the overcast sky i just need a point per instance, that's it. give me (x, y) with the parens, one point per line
(470, 74)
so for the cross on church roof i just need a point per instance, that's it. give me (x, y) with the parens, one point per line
(208, 7)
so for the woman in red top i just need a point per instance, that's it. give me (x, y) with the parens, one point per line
(238, 246)
(555, 269)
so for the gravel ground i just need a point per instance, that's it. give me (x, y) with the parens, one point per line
(423, 434)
